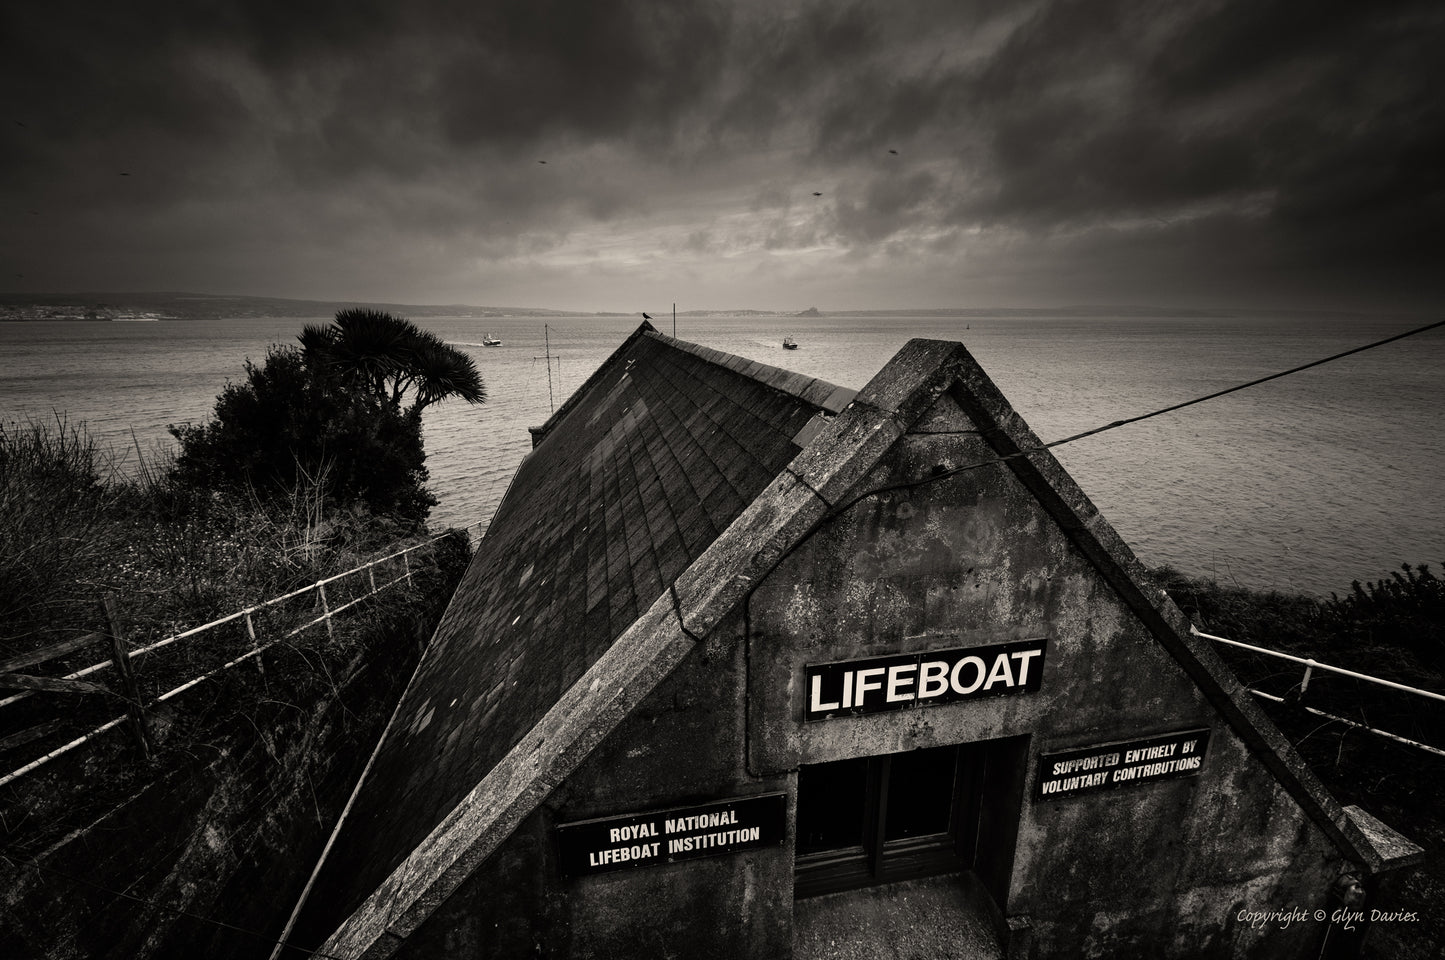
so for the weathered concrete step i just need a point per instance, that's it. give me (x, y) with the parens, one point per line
(939, 918)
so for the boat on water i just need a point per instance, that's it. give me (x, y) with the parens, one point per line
(789, 343)
(491, 341)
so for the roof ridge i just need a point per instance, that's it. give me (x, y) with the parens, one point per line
(812, 390)
(612, 360)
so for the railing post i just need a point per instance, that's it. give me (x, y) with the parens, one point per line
(406, 559)
(134, 712)
(371, 576)
(325, 608)
(251, 632)
(1305, 683)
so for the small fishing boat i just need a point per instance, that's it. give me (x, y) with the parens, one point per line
(789, 343)
(491, 341)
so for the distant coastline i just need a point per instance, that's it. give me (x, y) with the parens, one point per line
(196, 306)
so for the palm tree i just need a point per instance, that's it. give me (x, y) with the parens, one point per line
(386, 355)
(440, 370)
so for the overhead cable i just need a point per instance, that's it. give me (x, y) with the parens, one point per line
(943, 474)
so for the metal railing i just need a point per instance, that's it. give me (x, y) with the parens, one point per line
(1310, 666)
(257, 648)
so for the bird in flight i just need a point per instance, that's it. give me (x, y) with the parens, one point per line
(541, 161)
(816, 194)
(894, 152)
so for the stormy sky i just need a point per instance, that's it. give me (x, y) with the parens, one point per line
(626, 154)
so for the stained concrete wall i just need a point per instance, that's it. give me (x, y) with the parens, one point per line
(684, 744)
(1158, 869)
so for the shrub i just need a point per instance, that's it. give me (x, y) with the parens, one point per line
(290, 424)
(1406, 611)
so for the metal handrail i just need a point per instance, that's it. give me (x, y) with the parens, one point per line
(255, 651)
(255, 608)
(1310, 666)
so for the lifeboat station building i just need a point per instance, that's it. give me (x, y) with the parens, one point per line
(752, 665)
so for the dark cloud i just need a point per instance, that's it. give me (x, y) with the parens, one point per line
(887, 204)
(594, 70)
(1247, 138)
(1238, 44)
(1316, 128)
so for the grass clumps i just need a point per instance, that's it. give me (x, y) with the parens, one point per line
(56, 518)
(75, 528)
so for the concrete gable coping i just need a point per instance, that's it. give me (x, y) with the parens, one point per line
(1394, 850)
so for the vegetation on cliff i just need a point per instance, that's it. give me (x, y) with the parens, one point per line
(250, 767)
(310, 469)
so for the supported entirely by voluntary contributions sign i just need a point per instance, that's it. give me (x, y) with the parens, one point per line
(1165, 757)
(922, 679)
(682, 833)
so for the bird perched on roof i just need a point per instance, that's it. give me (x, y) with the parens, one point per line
(646, 317)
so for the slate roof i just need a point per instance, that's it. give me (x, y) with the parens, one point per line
(630, 481)
(671, 448)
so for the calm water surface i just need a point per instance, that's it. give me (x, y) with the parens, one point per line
(1305, 483)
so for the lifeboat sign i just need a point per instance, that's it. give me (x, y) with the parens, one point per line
(923, 679)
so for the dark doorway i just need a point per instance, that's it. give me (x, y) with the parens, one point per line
(876, 820)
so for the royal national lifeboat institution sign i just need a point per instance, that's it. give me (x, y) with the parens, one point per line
(668, 836)
(924, 679)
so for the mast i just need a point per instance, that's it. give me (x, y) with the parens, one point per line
(547, 356)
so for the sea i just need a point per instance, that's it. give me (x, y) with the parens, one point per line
(1302, 484)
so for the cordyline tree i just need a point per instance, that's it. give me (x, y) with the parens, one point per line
(384, 356)
(344, 409)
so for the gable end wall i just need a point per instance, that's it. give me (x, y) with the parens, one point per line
(1159, 869)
